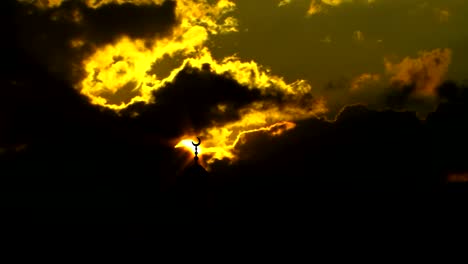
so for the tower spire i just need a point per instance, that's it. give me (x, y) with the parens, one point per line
(196, 149)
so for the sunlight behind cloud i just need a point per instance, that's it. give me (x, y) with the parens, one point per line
(114, 66)
(121, 73)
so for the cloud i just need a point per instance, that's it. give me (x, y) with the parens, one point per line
(278, 102)
(348, 154)
(319, 6)
(118, 68)
(221, 109)
(362, 149)
(66, 34)
(75, 147)
(121, 72)
(314, 8)
(407, 84)
(363, 80)
(72, 32)
(424, 73)
(284, 2)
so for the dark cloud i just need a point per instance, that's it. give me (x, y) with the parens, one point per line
(199, 99)
(363, 149)
(401, 98)
(192, 102)
(105, 24)
(58, 150)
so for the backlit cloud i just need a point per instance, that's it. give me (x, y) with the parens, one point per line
(125, 70)
(363, 80)
(122, 62)
(425, 72)
(284, 2)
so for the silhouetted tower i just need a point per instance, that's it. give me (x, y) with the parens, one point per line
(196, 149)
(194, 184)
(195, 174)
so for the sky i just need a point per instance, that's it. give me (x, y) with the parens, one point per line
(289, 98)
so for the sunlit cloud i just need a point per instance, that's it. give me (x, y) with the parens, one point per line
(221, 142)
(362, 80)
(284, 2)
(121, 73)
(425, 72)
(129, 61)
(199, 21)
(314, 8)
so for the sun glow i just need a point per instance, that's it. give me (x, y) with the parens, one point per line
(187, 144)
(114, 66)
(220, 143)
(122, 73)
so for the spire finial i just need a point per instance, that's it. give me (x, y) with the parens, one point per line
(196, 148)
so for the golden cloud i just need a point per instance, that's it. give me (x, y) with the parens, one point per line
(425, 72)
(120, 73)
(128, 61)
(221, 141)
(284, 2)
(314, 8)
